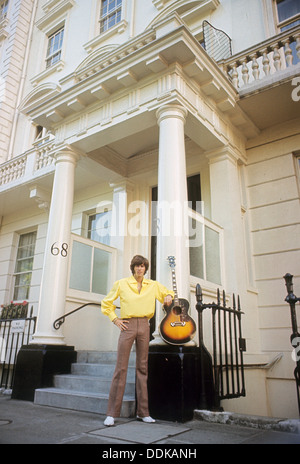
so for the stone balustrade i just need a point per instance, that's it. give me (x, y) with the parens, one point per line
(28, 164)
(265, 59)
(12, 170)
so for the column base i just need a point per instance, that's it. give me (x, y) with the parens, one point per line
(36, 366)
(177, 385)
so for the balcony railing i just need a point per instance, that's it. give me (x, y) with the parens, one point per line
(265, 59)
(13, 170)
(27, 165)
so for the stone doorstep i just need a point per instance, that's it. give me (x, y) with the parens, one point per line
(80, 401)
(86, 388)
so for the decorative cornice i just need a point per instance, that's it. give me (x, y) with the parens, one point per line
(103, 57)
(54, 10)
(225, 153)
(120, 27)
(159, 4)
(59, 66)
(126, 73)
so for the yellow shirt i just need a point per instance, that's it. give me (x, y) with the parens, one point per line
(133, 303)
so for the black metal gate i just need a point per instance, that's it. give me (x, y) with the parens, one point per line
(228, 346)
(16, 330)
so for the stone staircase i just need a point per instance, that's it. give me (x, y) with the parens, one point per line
(86, 388)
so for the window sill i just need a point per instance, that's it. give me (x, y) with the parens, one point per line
(47, 72)
(117, 29)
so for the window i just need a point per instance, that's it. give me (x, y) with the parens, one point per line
(92, 267)
(3, 9)
(99, 227)
(54, 47)
(41, 136)
(110, 14)
(24, 264)
(288, 13)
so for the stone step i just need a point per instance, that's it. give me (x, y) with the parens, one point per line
(86, 388)
(88, 384)
(103, 371)
(81, 401)
(102, 357)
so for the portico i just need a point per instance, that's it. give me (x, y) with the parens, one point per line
(131, 111)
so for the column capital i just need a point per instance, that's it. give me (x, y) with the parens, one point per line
(123, 186)
(171, 111)
(66, 153)
(225, 153)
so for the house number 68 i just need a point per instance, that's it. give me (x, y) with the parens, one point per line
(55, 251)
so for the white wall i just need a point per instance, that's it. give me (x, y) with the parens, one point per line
(273, 187)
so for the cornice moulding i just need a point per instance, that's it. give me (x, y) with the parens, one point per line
(59, 66)
(96, 41)
(159, 4)
(54, 12)
(144, 60)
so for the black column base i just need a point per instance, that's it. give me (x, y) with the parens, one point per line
(178, 382)
(36, 366)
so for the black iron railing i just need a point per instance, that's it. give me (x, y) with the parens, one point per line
(216, 42)
(15, 331)
(228, 346)
(58, 322)
(291, 299)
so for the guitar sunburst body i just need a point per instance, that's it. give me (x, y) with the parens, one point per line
(177, 327)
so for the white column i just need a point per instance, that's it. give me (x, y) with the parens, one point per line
(120, 239)
(172, 224)
(226, 211)
(57, 251)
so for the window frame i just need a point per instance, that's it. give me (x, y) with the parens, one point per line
(79, 294)
(58, 51)
(90, 230)
(286, 23)
(116, 12)
(17, 273)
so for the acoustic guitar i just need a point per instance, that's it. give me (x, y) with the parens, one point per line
(177, 327)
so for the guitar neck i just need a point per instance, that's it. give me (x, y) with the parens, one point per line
(176, 300)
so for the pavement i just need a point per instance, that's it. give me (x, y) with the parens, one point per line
(23, 422)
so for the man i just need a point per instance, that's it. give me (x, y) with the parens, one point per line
(137, 300)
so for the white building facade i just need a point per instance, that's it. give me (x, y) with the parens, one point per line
(153, 127)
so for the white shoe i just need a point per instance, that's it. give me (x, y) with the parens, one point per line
(147, 419)
(109, 421)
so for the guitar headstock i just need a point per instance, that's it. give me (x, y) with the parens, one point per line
(171, 260)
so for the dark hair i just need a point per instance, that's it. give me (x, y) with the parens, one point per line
(137, 260)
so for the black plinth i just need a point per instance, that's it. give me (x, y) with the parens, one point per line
(36, 366)
(179, 382)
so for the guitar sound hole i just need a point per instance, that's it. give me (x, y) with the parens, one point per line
(177, 310)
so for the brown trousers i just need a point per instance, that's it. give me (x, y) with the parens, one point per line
(138, 332)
